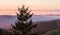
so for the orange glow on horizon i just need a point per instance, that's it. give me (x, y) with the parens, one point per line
(36, 12)
(7, 5)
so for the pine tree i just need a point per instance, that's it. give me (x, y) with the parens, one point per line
(24, 22)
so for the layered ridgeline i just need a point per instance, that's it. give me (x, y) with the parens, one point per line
(9, 19)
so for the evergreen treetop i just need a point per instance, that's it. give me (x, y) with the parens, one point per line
(24, 22)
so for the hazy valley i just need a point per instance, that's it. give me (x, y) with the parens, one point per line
(7, 20)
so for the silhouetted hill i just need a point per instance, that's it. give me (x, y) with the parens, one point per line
(46, 26)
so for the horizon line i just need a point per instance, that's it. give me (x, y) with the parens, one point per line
(35, 15)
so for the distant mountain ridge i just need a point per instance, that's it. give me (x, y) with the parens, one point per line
(34, 17)
(52, 15)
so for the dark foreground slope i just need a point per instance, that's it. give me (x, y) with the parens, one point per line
(46, 26)
(42, 27)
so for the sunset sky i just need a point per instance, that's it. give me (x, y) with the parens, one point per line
(9, 7)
